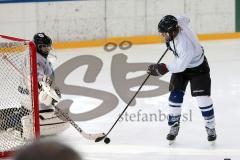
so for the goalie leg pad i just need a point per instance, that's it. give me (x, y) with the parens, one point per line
(27, 127)
(50, 124)
(13, 118)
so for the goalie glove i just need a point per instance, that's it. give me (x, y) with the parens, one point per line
(47, 81)
(45, 98)
(48, 95)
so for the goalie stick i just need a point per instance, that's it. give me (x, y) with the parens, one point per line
(53, 95)
(89, 136)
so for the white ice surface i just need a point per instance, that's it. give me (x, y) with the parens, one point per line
(147, 140)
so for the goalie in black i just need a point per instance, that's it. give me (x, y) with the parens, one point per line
(50, 123)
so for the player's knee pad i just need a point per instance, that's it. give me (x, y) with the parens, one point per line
(176, 96)
(50, 124)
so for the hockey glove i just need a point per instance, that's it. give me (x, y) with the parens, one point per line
(47, 81)
(157, 69)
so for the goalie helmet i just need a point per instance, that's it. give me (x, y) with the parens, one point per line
(43, 44)
(168, 24)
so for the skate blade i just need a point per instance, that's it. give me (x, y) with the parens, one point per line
(212, 143)
(170, 142)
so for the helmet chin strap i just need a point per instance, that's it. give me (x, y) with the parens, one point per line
(172, 39)
(175, 51)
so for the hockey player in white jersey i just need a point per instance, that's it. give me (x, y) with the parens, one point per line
(188, 65)
(49, 122)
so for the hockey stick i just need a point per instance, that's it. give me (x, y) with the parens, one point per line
(53, 95)
(105, 135)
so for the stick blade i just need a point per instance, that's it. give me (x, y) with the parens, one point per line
(100, 138)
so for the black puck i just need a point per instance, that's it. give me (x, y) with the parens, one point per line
(107, 140)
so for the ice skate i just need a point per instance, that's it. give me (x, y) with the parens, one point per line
(211, 132)
(173, 133)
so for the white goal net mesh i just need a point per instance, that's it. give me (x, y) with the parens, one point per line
(18, 102)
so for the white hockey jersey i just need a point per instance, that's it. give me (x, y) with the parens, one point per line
(44, 67)
(188, 48)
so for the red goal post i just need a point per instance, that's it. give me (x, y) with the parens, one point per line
(19, 107)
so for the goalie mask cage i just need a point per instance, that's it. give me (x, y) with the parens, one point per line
(19, 119)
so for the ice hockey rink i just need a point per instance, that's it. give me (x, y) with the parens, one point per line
(140, 136)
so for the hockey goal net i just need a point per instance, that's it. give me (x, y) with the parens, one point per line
(19, 124)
